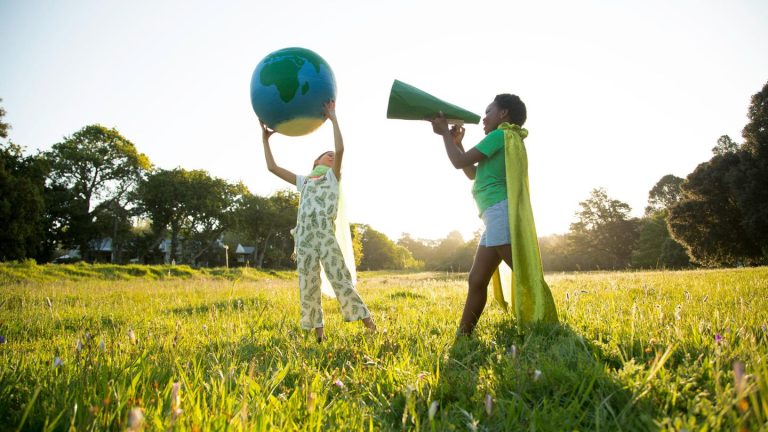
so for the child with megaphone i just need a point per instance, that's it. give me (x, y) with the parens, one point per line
(499, 167)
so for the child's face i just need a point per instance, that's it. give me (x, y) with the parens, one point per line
(326, 159)
(493, 118)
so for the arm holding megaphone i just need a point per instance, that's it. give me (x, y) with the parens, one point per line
(452, 137)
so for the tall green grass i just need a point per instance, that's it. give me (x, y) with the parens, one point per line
(634, 351)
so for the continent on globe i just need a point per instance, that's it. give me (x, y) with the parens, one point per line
(288, 90)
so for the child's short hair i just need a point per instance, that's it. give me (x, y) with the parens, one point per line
(321, 155)
(514, 106)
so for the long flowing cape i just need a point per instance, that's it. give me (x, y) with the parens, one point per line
(523, 289)
(344, 238)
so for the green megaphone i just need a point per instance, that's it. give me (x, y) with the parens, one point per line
(406, 102)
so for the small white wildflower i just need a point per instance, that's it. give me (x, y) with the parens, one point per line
(678, 311)
(536, 375)
(57, 362)
(135, 420)
(433, 409)
(131, 336)
(488, 404)
(311, 401)
(512, 351)
(176, 400)
(79, 346)
(102, 345)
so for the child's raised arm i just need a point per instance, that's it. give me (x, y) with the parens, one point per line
(338, 141)
(271, 165)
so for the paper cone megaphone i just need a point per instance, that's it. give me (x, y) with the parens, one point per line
(409, 103)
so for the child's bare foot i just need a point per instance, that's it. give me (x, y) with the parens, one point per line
(369, 324)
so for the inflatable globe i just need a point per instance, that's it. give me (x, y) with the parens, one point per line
(289, 88)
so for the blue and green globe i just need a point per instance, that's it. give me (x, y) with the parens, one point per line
(288, 90)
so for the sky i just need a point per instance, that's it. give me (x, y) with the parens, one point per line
(619, 93)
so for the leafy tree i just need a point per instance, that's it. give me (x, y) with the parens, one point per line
(603, 235)
(421, 249)
(707, 220)
(750, 182)
(655, 246)
(3, 125)
(266, 223)
(722, 218)
(192, 206)
(664, 194)
(22, 205)
(99, 168)
(381, 253)
(725, 145)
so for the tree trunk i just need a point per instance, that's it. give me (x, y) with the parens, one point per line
(260, 259)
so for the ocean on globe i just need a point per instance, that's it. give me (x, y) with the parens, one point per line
(289, 88)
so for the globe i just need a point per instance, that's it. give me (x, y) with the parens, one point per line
(289, 88)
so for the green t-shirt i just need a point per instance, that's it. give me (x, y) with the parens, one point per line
(490, 185)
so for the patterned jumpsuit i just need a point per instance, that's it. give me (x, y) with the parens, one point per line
(316, 243)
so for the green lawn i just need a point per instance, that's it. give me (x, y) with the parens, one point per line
(89, 348)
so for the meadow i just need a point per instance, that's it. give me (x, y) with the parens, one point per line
(156, 348)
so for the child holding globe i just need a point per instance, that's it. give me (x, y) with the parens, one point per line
(315, 234)
(498, 166)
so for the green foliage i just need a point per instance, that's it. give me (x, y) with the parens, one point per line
(381, 253)
(22, 206)
(635, 351)
(190, 205)
(451, 253)
(655, 247)
(3, 125)
(603, 235)
(707, 220)
(664, 194)
(722, 217)
(97, 168)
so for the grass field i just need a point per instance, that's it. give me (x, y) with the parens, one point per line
(155, 348)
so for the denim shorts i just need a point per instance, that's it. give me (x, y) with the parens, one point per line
(496, 220)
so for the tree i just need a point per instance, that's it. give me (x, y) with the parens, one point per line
(99, 167)
(22, 205)
(381, 253)
(722, 217)
(664, 194)
(750, 183)
(707, 220)
(3, 125)
(603, 235)
(655, 246)
(266, 223)
(725, 145)
(192, 206)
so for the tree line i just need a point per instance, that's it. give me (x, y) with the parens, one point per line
(96, 185)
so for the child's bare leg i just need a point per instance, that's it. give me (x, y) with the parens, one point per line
(320, 333)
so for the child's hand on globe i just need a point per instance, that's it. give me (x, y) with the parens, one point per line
(330, 109)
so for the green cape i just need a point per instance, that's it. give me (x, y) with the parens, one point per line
(524, 288)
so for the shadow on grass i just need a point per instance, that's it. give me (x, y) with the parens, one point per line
(548, 378)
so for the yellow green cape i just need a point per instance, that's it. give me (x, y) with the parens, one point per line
(523, 288)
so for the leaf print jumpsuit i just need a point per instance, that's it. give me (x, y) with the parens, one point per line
(315, 244)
